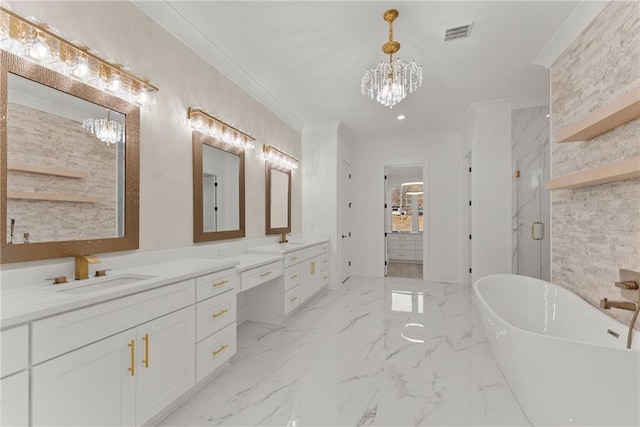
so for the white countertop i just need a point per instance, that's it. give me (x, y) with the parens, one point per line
(34, 302)
(284, 248)
(249, 261)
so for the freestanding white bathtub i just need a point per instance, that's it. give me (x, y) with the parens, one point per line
(554, 350)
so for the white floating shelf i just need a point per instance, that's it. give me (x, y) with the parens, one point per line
(55, 197)
(618, 171)
(46, 170)
(616, 113)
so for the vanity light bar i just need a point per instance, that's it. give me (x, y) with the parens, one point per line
(39, 43)
(272, 154)
(205, 123)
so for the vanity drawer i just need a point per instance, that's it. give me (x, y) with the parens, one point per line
(214, 314)
(291, 299)
(402, 255)
(212, 352)
(292, 276)
(215, 283)
(258, 275)
(65, 332)
(323, 262)
(295, 257)
(14, 350)
(402, 245)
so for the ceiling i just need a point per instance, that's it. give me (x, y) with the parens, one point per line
(304, 60)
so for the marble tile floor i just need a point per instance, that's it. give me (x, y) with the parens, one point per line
(383, 352)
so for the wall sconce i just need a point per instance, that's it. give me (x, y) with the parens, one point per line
(205, 123)
(272, 154)
(39, 43)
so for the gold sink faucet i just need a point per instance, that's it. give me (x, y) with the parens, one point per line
(82, 265)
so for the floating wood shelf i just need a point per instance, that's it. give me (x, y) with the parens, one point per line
(620, 111)
(619, 171)
(46, 170)
(56, 197)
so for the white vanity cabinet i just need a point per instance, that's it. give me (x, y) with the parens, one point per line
(215, 322)
(14, 382)
(306, 272)
(121, 380)
(405, 247)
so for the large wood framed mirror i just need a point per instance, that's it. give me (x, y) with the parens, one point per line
(278, 197)
(64, 191)
(218, 189)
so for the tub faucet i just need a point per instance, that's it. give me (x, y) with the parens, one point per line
(624, 305)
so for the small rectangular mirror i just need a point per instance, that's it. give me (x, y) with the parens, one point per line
(218, 189)
(278, 206)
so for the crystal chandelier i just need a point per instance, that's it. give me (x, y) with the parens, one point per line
(106, 130)
(389, 82)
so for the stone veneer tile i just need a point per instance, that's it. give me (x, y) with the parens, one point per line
(42, 139)
(595, 231)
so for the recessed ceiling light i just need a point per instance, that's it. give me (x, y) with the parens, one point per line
(401, 117)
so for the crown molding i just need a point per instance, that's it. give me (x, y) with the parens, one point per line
(579, 19)
(172, 21)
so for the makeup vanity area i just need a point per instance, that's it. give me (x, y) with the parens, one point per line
(130, 343)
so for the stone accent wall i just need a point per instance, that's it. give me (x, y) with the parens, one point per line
(42, 139)
(596, 230)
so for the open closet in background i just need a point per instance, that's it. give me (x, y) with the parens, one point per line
(404, 221)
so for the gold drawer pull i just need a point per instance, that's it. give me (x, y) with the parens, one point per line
(324, 248)
(220, 313)
(220, 283)
(293, 258)
(402, 245)
(293, 277)
(145, 361)
(265, 274)
(222, 348)
(132, 366)
(293, 299)
(325, 261)
(325, 278)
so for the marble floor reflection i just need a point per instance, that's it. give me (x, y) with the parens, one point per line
(385, 352)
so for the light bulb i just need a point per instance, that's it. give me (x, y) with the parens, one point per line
(39, 50)
(82, 69)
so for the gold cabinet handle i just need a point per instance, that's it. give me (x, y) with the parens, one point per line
(220, 313)
(293, 258)
(325, 277)
(325, 261)
(533, 230)
(293, 277)
(132, 365)
(401, 245)
(313, 267)
(222, 348)
(293, 299)
(220, 283)
(145, 361)
(265, 274)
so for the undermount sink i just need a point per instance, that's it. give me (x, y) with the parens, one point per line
(99, 284)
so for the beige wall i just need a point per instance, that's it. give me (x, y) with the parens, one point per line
(121, 31)
(596, 230)
(37, 138)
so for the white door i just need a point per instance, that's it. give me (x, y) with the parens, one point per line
(94, 385)
(165, 361)
(14, 400)
(345, 222)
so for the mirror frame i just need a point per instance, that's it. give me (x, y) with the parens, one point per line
(268, 229)
(199, 235)
(46, 250)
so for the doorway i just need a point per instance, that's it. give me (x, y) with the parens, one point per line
(531, 202)
(404, 221)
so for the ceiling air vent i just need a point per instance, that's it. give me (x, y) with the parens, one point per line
(458, 32)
